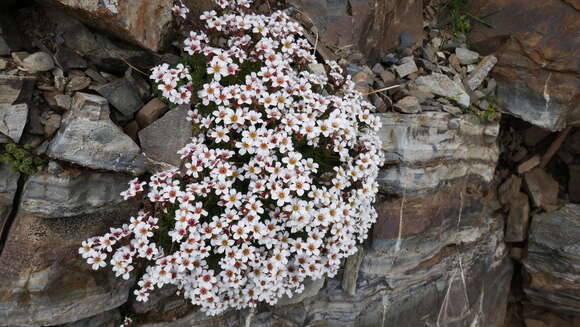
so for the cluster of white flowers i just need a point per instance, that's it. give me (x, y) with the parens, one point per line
(277, 187)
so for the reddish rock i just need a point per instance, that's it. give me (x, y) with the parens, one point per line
(144, 23)
(151, 112)
(539, 62)
(373, 27)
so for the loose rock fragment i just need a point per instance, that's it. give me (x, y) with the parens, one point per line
(409, 105)
(466, 56)
(38, 62)
(442, 85)
(89, 138)
(476, 78)
(518, 219)
(151, 112)
(12, 120)
(406, 67)
(542, 188)
(122, 95)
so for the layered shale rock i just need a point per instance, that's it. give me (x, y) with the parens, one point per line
(426, 150)
(539, 58)
(144, 23)
(553, 260)
(57, 192)
(44, 280)
(367, 27)
(8, 187)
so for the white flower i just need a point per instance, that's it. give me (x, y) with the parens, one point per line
(276, 186)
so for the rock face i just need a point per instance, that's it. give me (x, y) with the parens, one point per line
(89, 138)
(161, 146)
(145, 23)
(8, 187)
(553, 260)
(423, 152)
(65, 193)
(369, 27)
(44, 280)
(536, 81)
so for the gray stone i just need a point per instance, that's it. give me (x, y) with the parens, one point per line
(317, 69)
(476, 78)
(409, 105)
(518, 219)
(574, 183)
(96, 76)
(406, 67)
(89, 138)
(13, 119)
(378, 69)
(351, 269)
(452, 109)
(387, 76)
(19, 56)
(553, 260)
(122, 95)
(38, 62)
(78, 83)
(311, 288)
(63, 101)
(71, 192)
(542, 188)
(466, 56)
(442, 85)
(69, 59)
(106, 319)
(15, 89)
(160, 146)
(8, 186)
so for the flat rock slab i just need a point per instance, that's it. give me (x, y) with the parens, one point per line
(478, 75)
(161, 145)
(13, 119)
(444, 86)
(122, 95)
(89, 138)
(15, 89)
(553, 260)
(541, 187)
(68, 193)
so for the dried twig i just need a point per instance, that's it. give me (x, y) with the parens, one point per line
(383, 89)
(134, 68)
